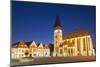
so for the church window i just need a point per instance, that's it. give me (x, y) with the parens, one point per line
(84, 44)
(88, 43)
(60, 51)
(78, 44)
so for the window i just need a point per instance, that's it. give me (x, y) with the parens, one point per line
(78, 44)
(22, 54)
(34, 54)
(84, 43)
(61, 51)
(22, 51)
(45, 53)
(88, 43)
(71, 51)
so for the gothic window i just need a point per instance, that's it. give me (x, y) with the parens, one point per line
(60, 51)
(60, 45)
(72, 43)
(69, 51)
(84, 44)
(88, 43)
(78, 44)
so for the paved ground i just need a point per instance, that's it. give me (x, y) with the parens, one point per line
(52, 60)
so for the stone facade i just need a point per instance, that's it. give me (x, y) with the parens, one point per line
(72, 44)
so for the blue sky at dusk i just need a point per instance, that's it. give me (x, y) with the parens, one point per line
(34, 21)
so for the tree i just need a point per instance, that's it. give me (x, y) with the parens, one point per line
(51, 46)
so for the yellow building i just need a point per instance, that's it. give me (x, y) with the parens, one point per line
(72, 44)
(78, 43)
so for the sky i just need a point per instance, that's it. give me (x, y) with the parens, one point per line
(34, 21)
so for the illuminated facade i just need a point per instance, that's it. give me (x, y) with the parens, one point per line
(78, 43)
(57, 38)
(72, 44)
(22, 49)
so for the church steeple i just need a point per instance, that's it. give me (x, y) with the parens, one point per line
(57, 37)
(57, 23)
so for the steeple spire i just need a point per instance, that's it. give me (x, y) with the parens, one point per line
(57, 23)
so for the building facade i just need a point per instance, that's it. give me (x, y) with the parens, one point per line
(22, 49)
(72, 44)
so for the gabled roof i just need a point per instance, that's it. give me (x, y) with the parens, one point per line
(15, 45)
(30, 44)
(22, 44)
(75, 34)
(41, 46)
(33, 45)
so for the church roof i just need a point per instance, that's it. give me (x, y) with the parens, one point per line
(75, 34)
(57, 22)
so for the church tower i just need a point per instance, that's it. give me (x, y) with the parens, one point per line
(57, 37)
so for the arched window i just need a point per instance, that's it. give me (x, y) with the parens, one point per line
(60, 51)
(88, 43)
(71, 51)
(84, 44)
(78, 44)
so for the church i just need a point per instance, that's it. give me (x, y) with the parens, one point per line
(71, 44)
(65, 45)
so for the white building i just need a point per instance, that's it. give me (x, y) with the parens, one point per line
(19, 50)
(22, 49)
(39, 51)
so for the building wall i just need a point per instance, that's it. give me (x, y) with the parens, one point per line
(18, 53)
(36, 52)
(82, 46)
(57, 42)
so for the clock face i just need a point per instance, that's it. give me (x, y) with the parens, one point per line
(59, 31)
